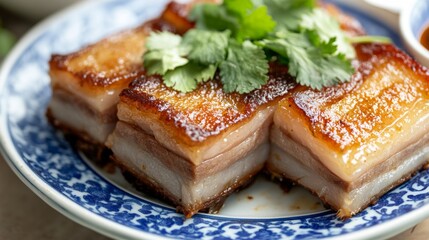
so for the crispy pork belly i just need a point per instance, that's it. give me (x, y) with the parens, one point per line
(86, 84)
(207, 143)
(90, 80)
(352, 143)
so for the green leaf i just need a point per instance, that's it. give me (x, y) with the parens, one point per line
(7, 40)
(164, 53)
(160, 61)
(203, 74)
(186, 78)
(245, 68)
(327, 28)
(214, 17)
(162, 40)
(241, 17)
(288, 14)
(240, 7)
(312, 66)
(256, 25)
(206, 47)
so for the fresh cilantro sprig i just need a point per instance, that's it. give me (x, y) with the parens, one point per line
(327, 28)
(234, 39)
(194, 58)
(312, 61)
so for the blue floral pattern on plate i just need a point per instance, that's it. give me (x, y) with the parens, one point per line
(48, 165)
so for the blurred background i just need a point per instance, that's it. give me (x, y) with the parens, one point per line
(18, 16)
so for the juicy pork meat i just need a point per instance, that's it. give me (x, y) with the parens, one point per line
(352, 143)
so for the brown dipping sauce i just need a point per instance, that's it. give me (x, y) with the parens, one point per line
(424, 38)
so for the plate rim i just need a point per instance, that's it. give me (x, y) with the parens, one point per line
(107, 227)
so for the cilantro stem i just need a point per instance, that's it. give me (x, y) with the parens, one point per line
(369, 39)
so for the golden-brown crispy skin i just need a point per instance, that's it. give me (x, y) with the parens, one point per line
(360, 118)
(196, 116)
(107, 62)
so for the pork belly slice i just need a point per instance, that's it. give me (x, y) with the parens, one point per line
(203, 123)
(86, 84)
(352, 143)
(200, 145)
(189, 187)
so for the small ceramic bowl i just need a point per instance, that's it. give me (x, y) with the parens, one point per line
(414, 19)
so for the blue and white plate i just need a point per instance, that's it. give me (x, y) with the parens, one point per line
(106, 203)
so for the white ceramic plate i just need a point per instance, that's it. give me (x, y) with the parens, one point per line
(106, 203)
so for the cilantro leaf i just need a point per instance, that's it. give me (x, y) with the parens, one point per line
(239, 7)
(255, 25)
(162, 40)
(213, 17)
(205, 73)
(241, 17)
(327, 27)
(186, 78)
(288, 14)
(313, 66)
(245, 68)
(206, 47)
(160, 61)
(164, 53)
